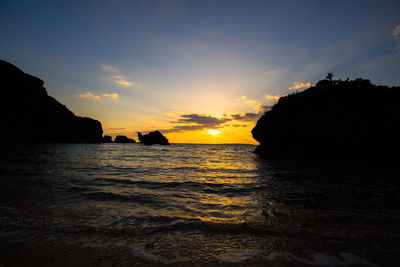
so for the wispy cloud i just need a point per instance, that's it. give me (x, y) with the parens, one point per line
(246, 100)
(396, 34)
(396, 31)
(121, 80)
(299, 85)
(90, 95)
(273, 97)
(117, 77)
(256, 105)
(109, 69)
(114, 95)
(116, 129)
(262, 108)
(245, 116)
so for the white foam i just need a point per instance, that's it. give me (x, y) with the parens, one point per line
(142, 252)
(237, 256)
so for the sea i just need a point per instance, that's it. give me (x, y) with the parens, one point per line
(198, 203)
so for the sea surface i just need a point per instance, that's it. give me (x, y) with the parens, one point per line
(191, 203)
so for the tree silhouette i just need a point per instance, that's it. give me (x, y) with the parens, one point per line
(329, 76)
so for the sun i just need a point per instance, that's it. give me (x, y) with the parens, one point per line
(213, 132)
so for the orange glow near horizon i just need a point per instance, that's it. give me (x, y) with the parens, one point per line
(195, 128)
(227, 134)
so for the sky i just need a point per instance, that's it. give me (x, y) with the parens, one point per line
(198, 71)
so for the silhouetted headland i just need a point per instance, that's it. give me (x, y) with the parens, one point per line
(335, 117)
(151, 138)
(123, 139)
(29, 114)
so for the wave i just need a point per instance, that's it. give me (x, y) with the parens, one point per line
(148, 225)
(219, 187)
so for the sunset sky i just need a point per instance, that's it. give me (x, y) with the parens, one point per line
(199, 71)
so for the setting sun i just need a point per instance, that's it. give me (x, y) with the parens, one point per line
(213, 132)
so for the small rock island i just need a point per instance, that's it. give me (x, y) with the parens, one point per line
(123, 139)
(28, 114)
(334, 117)
(151, 138)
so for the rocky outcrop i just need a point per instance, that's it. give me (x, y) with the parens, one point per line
(29, 114)
(107, 139)
(153, 138)
(123, 139)
(333, 118)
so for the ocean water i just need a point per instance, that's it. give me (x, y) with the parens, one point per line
(189, 203)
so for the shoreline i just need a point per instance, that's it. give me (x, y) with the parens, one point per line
(47, 253)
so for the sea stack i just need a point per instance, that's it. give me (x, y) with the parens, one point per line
(151, 138)
(123, 139)
(28, 114)
(333, 118)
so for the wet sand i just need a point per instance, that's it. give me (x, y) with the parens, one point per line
(53, 254)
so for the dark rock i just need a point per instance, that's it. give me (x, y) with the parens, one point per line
(336, 118)
(153, 138)
(28, 114)
(123, 139)
(107, 139)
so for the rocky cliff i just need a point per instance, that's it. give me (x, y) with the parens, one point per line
(333, 117)
(29, 114)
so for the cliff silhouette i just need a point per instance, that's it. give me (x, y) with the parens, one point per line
(335, 117)
(29, 114)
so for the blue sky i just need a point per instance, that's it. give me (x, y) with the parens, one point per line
(144, 65)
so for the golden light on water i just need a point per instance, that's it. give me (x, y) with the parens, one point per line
(213, 132)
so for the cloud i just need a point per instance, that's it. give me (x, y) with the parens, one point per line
(97, 97)
(242, 98)
(299, 85)
(262, 108)
(273, 97)
(396, 30)
(245, 116)
(121, 80)
(110, 95)
(90, 95)
(117, 77)
(396, 34)
(116, 129)
(173, 113)
(192, 122)
(204, 120)
(271, 72)
(246, 100)
(109, 69)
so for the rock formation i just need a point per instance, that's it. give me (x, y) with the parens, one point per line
(153, 138)
(123, 139)
(29, 114)
(107, 139)
(333, 117)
